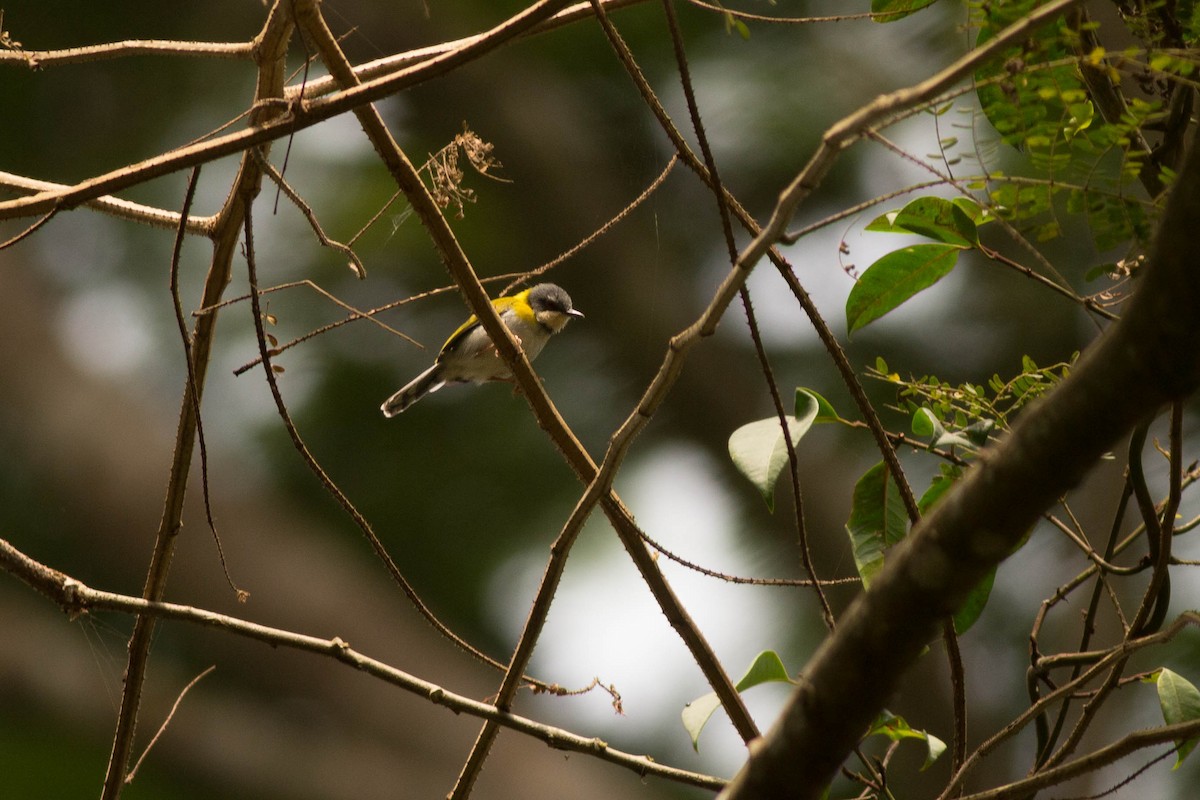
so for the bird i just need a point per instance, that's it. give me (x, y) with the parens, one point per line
(469, 356)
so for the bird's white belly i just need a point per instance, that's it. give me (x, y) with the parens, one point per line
(486, 364)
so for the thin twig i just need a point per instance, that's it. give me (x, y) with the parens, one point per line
(29, 230)
(1121, 650)
(796, 750)
(355, 314)
(1089, 551)
(958, 693)
(877, 16)
(1088, 303)
(538, 613)
(574, 249)
(388, 65)
(515, 277)
(1104, 756)
(737, 579)
(1158, 538)
(356, 264)
(162, 728)
(192, 390)
(719, 193)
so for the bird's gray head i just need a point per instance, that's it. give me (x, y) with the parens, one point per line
(552, 306)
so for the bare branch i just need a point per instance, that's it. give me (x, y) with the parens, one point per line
(356, 265)
(319, 87)
(114, 206)
(40, 59)
(77, 599)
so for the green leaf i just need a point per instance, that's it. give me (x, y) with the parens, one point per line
(767, 667)
(759, 452)
(896, 728)
(925, 423)
(941, 483)
(968, 614)
(897, 9)
(979, 431)
(977, 213)
(825, 410)
(877, 520)
(895, 278)
(948, 439)
(1180, 703)
(943, 220)
(936, 748)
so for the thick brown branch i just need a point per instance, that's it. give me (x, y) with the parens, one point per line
(1150, 357)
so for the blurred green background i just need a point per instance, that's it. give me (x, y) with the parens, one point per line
(464, 489)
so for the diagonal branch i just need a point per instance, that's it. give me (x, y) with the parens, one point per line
(271, 46)
(456, 261)
(1167, 734)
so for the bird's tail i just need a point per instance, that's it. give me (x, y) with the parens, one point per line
(428, 381)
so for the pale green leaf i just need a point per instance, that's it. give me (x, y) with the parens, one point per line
(759, 451)
(897, 728)
(825, 410)
(767, 667)
(695, 715)
(1180, 702)
(925, 423)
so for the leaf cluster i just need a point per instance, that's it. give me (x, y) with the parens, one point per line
(970, 407)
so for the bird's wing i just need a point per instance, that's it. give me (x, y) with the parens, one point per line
(504, 307)
(457, 337)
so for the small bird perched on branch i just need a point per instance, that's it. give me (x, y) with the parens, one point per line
(469, 356)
